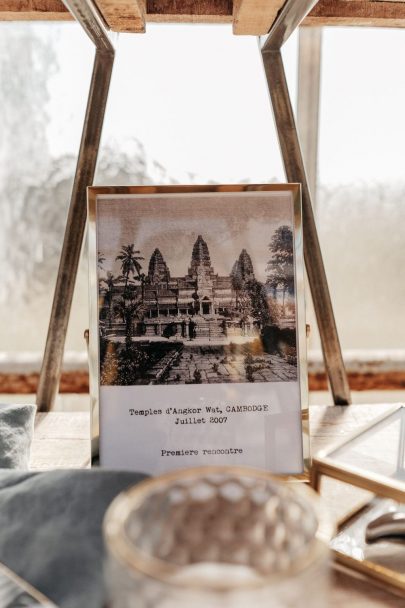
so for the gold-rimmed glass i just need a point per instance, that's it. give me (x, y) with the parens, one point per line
(217, 536)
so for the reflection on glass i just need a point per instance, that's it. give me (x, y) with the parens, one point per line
(386, 552)
(380, 449)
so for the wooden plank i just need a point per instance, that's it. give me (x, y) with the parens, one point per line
(119, 15)
(33, 10)
(191, 11)
(123, 15)
(255, 17)
(62, 425)
(61, 440)
(358, 12)
(48, 454)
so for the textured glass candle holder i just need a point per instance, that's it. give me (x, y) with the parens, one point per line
(217, 537)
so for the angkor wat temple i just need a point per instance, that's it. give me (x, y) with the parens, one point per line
(200, 304)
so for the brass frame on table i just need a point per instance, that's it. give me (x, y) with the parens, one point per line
(289, 18)
(295, 189)
(323, 465)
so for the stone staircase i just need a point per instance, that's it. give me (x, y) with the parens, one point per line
(205, 328)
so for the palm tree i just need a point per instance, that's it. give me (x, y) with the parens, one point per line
(129, 258)
(110, 283)
(100, 259)
(142, 278)
(129, 310)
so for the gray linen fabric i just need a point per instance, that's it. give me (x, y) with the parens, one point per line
(50, 530)
(16, 432)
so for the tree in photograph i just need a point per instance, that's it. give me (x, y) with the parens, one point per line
(100, 260)
(130, 306)
(281, 265)
(244, 304)
(132, 362)
(275, 311)
(258, 302)
(249, 373)
(129, 309)
(130, 258)
(110, 283)
(108, 363)
(142, 278)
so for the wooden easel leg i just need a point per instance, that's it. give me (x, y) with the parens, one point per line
(295, 172)
(75, 227)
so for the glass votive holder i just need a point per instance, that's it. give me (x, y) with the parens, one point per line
(215, 537)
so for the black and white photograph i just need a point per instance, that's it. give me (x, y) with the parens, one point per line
(196, 289)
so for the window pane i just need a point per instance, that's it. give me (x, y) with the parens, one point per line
(361, 203)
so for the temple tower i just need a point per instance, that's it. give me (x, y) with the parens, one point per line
(158, 271)
(203, 273)
(200, 257)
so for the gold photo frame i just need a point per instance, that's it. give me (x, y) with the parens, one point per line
(214, 197)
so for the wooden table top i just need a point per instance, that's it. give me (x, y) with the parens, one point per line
(62, 440)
